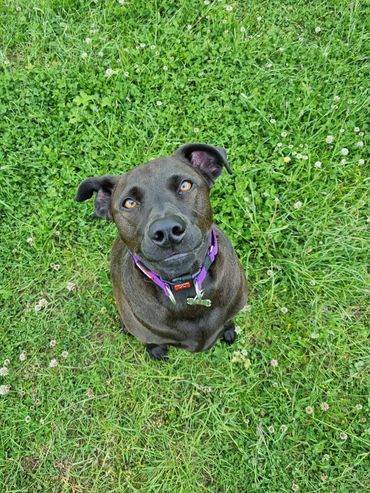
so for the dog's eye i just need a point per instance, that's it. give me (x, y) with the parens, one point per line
(130, 204)
(185, 186)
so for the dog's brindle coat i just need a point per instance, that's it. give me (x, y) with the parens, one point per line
(163, 213)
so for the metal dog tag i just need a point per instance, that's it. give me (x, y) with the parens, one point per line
(198, 300)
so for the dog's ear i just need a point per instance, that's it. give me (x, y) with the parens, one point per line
(209, 160)
(103, 186)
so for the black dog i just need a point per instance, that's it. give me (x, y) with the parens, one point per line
(176, 278)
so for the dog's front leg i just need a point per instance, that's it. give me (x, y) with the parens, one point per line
(229, 334)
(157, 352)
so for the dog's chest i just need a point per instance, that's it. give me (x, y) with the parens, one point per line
(199, 332)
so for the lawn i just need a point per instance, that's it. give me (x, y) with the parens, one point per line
(97, 87)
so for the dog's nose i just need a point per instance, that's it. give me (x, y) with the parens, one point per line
(168, 230)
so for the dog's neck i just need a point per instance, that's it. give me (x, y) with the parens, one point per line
(186, 281)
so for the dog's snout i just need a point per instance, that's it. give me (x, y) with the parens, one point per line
(168, 230)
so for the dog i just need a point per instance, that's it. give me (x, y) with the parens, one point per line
(176, 278)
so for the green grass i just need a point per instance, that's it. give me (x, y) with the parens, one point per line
(240, 79)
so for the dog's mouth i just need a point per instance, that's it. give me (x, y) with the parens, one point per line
(177, 264)
(175, 257)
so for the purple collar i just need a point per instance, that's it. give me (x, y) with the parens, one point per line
(186, 281)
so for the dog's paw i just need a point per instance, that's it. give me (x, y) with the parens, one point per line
(157, 352)
(229, 335)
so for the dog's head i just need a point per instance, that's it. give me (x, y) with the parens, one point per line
(162, 209)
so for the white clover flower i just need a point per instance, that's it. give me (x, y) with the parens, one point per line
(284, 134)
(121, 2)
(270, 272)
(189, 27)
(4, 371)
(298, 205)
(237, 357)
(344, 151)
(229, 8)
(40, 305)
(318, 164)
(142, 45)
(324, 406)
(126, 74)
(299, 155)
(30, 240)
(100, 54)
(88, 41)
(279, 144)
(329, 139)
(271, 429)
(326, 457)
(360, 144)
(52, 343)
(65, 354)
(317, 29)
(309, 410)
(84, 55)
(109, 72)
(283, 428)
(27, 419)
(242, 29)
(136, 66)
(358, 407)
(152, 47)
(237, 329)
(272, 121)
(356, 130)
(286, 159)
(295, 487)
(165, 68)
(259, 18)
(159, 103)
(343, 435)
(196, 130)
(4, 389)
(206, 2)
(336, 98)
(23, 356)
(343, 161)
(284, 309)
(53, 363)
(71, 286)
(274, 363)
(268, 65)
(55, 266)
(361, 162)
(305, 157)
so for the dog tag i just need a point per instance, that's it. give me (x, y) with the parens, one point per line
(198, 300)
